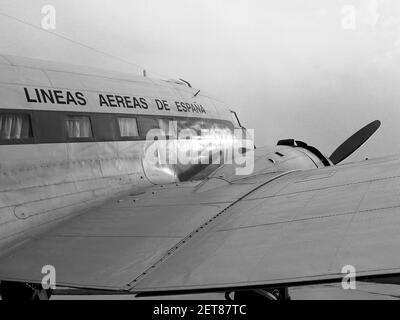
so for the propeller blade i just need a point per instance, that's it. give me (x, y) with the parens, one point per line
(354, 142)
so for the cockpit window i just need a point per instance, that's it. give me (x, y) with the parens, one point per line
(235, 120)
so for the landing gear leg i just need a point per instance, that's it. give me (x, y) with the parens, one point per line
(19, 291)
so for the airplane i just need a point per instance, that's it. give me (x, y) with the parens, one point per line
(83, 190)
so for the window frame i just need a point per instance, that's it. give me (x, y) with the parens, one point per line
(168, 137)
(155, 118)
(31, 138)
(128, 138)
(235, 116)
(77, 139)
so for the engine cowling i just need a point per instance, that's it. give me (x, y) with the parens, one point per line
(301, 144)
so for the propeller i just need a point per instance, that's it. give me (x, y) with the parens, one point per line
(354, 142)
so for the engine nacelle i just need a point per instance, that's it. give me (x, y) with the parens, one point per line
(300, 144)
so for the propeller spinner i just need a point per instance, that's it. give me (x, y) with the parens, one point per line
(354, 142)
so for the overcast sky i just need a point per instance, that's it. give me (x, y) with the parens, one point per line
(303, 69)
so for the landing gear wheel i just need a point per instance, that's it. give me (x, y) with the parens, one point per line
(19, 291)
(260, 295)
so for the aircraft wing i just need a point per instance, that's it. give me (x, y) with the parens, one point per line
(272, 228)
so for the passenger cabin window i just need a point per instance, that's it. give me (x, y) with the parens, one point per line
(147, 124)
(160, 128)
(128, 127)
(168, 127)
(78, 127)
(40, 126)
(15, 126)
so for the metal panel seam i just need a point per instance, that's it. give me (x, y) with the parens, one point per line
(130, 286)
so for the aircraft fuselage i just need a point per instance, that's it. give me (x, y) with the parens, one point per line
(71, 138)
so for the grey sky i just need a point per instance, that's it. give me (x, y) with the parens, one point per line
(288, 67)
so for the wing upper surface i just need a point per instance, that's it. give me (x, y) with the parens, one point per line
(276, 227)
(112, 244)
(304, 227)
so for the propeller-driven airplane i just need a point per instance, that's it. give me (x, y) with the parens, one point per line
(84, 191)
